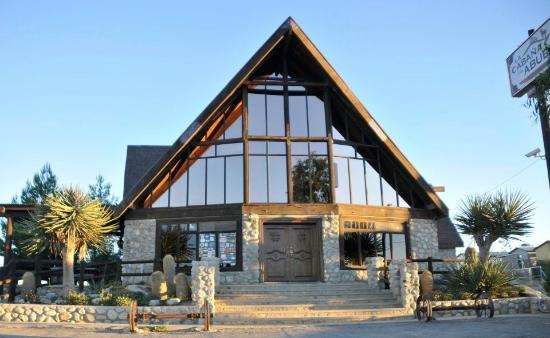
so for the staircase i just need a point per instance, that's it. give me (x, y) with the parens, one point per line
(304, 303)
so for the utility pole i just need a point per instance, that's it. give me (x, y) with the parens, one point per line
(542, 107)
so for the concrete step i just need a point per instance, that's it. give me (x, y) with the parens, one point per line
(284, 298)
(310, 317)
(296, 286)
(245, 309)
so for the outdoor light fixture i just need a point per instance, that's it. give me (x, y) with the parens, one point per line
(534, 153)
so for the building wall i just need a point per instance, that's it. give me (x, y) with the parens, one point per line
(139, 244)
(543, 253)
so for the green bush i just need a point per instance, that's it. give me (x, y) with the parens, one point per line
(472, 277)
(75, 298)
(106, 298)
(31, 297)
(123, 300)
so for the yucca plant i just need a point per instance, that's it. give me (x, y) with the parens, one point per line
(70, 222)
(474, 276)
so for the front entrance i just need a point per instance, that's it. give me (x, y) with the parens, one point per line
(290, 252)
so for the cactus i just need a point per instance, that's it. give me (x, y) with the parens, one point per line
(470, 255)
(158, 285)
(169, 268)
(29, 283)
(183, 289)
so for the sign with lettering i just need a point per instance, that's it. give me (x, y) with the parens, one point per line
(359, 224)
(529, 60)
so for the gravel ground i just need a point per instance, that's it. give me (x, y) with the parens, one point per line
(500, 326)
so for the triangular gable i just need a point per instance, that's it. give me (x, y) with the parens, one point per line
(289, 27)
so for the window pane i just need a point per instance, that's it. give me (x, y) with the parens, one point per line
(316, 116)
(390, 198)
(277, 179)
(235, 129)
(387, 244)
(207, 245)
(197, 182)
(298, 115)
(399, 251)
(161, 201)
(168, 239)
(373, 186)
(178, 192)
(229, 149)
(276, 148)
(215, 181)
(187, 245)
(299, 148)
(318, 148)
(256, 114)
(228, 249)
(310, 179)
(257, 147)
(234, 186)
(217, 226)
(257, 179)
(275, 115)
(357, 178)
(341, 186)
(343, 150)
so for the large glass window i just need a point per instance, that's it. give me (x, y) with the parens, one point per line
(357, 246)
(266, 113)
(267, 166)
(307, 115)
(310, 176)
(196, 241)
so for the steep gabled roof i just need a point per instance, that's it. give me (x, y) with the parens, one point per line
(289, 27)
(139, 159)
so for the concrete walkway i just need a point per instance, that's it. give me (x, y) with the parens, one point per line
(500, 326)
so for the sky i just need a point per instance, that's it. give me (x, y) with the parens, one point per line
(81, 80)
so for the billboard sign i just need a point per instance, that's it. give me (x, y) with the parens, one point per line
(529, 60)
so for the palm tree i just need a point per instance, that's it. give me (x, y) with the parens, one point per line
(505, 215)
(71, 222)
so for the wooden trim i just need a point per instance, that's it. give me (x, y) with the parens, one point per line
(220, 211)
(289, 209)
(246, 197)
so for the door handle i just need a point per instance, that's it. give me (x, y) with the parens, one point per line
(291, 251)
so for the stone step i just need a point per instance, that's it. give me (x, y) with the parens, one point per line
(282, 299)
(296, 286)
(309, 317)
(245, 309)
(300, 293)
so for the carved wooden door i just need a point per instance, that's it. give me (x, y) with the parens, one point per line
(290, 253)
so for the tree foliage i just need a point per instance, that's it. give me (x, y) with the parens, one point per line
(102, 191)
(488, 218)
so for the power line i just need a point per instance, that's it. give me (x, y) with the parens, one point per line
(515, 175)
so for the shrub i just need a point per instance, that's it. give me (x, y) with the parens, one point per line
(546, 280)
(475, 276)
(75, 298)
(32, 297)
(106, 298)
(123, 300)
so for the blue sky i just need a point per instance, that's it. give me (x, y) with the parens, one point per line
(80, 80)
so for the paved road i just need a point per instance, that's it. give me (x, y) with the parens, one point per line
(501, 327)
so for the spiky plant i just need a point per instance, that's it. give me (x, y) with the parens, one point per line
(474, 276)
(488, 218)
(73, 223)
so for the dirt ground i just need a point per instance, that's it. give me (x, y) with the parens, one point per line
(500, 326)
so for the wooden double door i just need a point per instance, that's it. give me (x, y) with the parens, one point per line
(290, 252)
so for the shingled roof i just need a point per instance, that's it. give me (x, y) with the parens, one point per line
(139, 159)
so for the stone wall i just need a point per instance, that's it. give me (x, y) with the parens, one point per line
(424, 243)
(404, 282)
(203, 283)
(505, 306)
(251, 250)
(139, 244)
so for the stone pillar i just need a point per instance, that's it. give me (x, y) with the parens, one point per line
(331, 249)
(139, 244)
(203, 283)
(404, 282)
(251, 249)
(373, 271)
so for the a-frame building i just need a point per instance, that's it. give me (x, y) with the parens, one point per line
(285, 176)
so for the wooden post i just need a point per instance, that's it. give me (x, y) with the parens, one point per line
(81, 277)
(13, 284)
(430, 264)
(8, 241)
(37, 270)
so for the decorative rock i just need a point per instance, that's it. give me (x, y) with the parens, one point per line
(182, 286)
(154, 302)
(51, 295)
(77, 317)
(63, 317)
(169, 268)
(29, 283)
(158, 285)
(32, 317)
(143, 289)
(173, 301)
(112, 315)
(95, 301)
(89, 318)
(45, 300)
